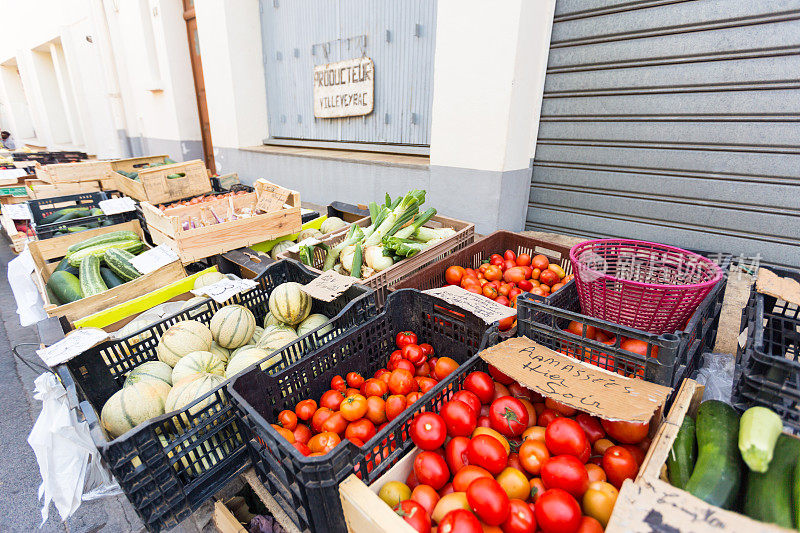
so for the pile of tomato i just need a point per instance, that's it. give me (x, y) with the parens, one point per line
(202, 199)
(356, 408)
(503, 277)
(499, 457)
(605, 360)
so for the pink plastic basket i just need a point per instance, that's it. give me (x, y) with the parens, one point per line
(644, 285)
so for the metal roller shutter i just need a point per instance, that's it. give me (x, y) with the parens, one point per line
(673, 121)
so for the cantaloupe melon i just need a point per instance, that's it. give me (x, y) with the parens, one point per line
(312, 322)
(130, 406)
(219, 351)
(244, 357)
(208, 279)
(232, 326)
(270, 320)
(182, 338)
(194, 301)
(257, 332)
(150, 370)
(276, 337)
(309, 233)
(132, 327)
(280, 247)
(289, 304)
(331, 224)
(198, 363)
(190, 389)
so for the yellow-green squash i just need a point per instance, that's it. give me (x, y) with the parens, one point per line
(232, 326)
(289, 304)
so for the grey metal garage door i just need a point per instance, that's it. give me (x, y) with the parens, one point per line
(673, 121)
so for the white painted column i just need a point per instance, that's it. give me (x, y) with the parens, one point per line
(488, 80)
(67, 94)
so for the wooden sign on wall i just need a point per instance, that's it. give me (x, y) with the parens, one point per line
(344, 89)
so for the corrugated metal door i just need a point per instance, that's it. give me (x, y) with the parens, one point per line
(673, 121)
(398, 36)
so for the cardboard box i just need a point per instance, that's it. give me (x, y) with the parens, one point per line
(564, 379)
(154, 186)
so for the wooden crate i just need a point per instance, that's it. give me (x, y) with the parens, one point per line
(153, 185)
(47, 253)
(224, 520)
(17, 238)
(73, 172)
(38, 189)
(198, 243)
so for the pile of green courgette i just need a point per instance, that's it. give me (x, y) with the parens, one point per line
(746, 464)
(93, 266)
(135, 175)
(71, 213)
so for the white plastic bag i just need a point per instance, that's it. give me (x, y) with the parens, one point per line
(69, 463)
(30, 306)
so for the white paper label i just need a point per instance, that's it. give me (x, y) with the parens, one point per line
(74, 344)
(114, 206)
(225, 289)
(17, 211)
(310, 241)
(489, 310)
(153, 259)
(328, 285)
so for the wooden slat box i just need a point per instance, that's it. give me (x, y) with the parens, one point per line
(73, 172)
(154, 186)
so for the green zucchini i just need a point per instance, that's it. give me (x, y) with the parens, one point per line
(55, 215)
(62, 265)
(100, 250)
(717, 475)
(52, 296)
(769, 495)
(796, 493)
(65, 286)
(111, 279)
(103, 239)
(72, 215)
(91, 281)
(681, 459)
(119, 261)
(759, 429)
(76, 229)
(95, 211)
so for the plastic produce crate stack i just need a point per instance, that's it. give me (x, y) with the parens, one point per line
(670, 357)
(42, 208)
(169, 465)
(307, 488)
(768, 366)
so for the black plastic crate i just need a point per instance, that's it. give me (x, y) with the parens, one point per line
(670, 357)
(307, 488)
(171, 464)
(43, 207)
(768, 366)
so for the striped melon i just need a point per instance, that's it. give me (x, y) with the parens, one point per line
(130, 406)
(257, 332)
(244, 357)
(276, 337)
(313, 322)
(198, 363)
(270, 320)
(132, 327)
(279, 248)
(219, 351)
(232, 326)
(309, 233)
(182, 338)
(151, 370)
(190, 389)
(289, 304)
(194, 301)
(208, 278)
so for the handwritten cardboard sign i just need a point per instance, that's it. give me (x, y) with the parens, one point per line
(225, 289)
(489, 310)
(271, 197)
(74, 344)
(771, 284)
(647, 506)
(328, 286)
(114, 206)
(580, 385)
(154, 258)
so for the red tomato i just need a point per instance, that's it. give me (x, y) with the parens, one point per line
(591, 426)
(427, 349)
(619, 465)
(338, 384)
(362, 430)
(401, 381)
(484, 422)
(520, 518)
(559, 407)
(447, 489)
(459, 521)
(412, 397)
(411, 480)
(508, 264)
(547, 416)
(283, 432)
(423, 370)
(287, 419)
(518, 391)
(426, 496)
(320, 416)
(332, 399)
(444, 367)
(504, 324)
(500, 391)
(395, 404)
(396, 356)
(514, 274)
(305, 409)
(405, 365)
(353, 407)
(638, 347)
(405, 337)
(590, 525)
(415, 515)
(557, 512)
(487, 452)
(626, 432)
(496, 259)
(499, 376)
(525, 285)
(565, 472)
(414, 354)
(431, 469)
(466, 475)
(502, 300)
(523, 260)
(480, 384)
(510, 255)
(428, 431)
(302, 448)
(490, 292)
(426, 384)
(336, 423)
(375, 387)
(533, 454)
(376, 410)
(382, 371)
(564, 436)
(493, 273)
(323, 442)
(537, 489)
(453, 275)
(459, 418)
(508, 416)
(302, 433)
(514, 462)
(540, 261)
(455, 453)
(637, 452)
(488, 500)
(468, 398)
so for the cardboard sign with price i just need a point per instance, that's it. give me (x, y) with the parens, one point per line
(271, 197)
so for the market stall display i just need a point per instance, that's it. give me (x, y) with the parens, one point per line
(65, 215)
(195, 446)
(159, 179)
